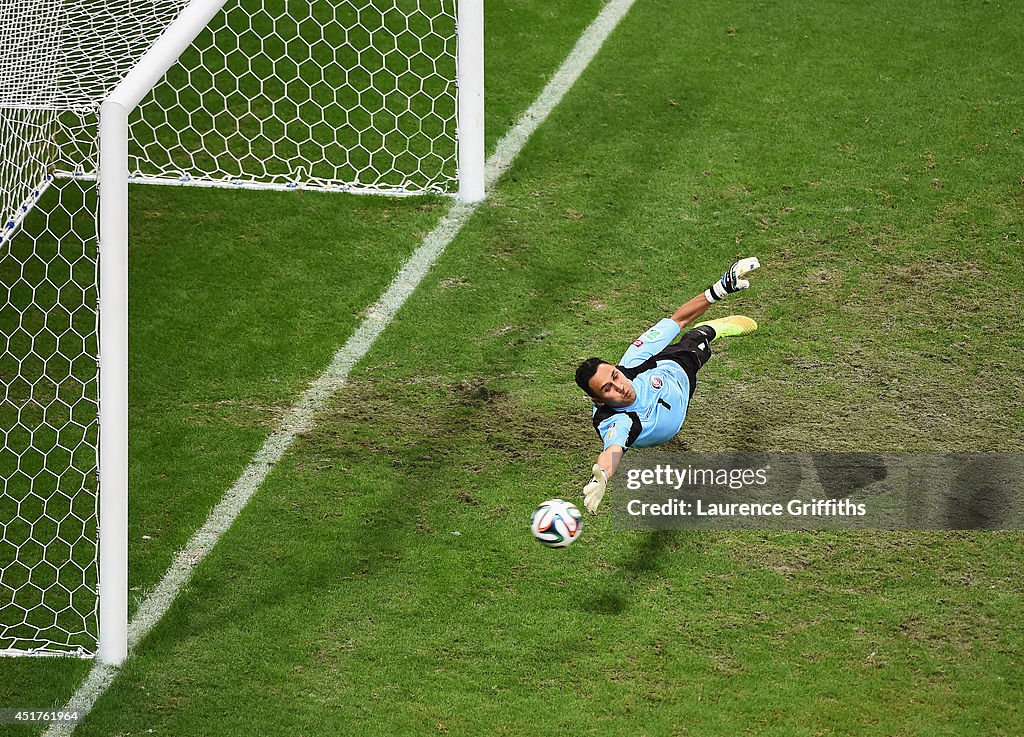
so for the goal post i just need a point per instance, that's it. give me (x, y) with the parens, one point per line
(471, 100)
(112, 593)
(112, 585)
(366, 96)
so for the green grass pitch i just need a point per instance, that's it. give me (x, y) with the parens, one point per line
(383, 580)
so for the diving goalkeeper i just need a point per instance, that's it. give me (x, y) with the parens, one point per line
(642, 401)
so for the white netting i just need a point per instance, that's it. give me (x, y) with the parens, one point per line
(48, 393)
(313, 93)
(69, 54)
(356, 95)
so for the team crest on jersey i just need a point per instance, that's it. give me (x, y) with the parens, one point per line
(656, 382)
(638, 342)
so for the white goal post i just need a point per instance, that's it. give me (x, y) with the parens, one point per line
(378, 96)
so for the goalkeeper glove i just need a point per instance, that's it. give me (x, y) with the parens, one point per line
(732, 280)
(593, 492)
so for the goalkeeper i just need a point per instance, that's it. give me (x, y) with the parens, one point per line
(642, 401)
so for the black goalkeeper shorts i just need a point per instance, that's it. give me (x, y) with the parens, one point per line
(691, 352)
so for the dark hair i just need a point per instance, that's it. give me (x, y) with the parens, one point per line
(586, 372)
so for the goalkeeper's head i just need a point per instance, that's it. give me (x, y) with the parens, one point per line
(605, 383)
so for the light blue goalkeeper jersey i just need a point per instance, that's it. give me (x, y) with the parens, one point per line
(662, 393)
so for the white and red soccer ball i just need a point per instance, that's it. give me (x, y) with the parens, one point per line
(556, 523)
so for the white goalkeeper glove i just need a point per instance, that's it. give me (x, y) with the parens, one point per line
(593, 492)
(732, 280)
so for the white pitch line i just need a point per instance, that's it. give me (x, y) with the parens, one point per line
(300, 416)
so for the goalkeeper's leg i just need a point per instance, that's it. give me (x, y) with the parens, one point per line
(728, 327)
(694, 349)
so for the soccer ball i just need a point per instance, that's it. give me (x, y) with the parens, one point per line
(556, 523)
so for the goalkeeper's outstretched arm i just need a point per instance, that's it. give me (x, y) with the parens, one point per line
(732, 281)
(609, 459)
(604, 469)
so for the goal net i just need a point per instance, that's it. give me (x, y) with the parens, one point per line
(343, 95)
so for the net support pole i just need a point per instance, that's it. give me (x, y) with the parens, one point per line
(113, 353)
(470, 73)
